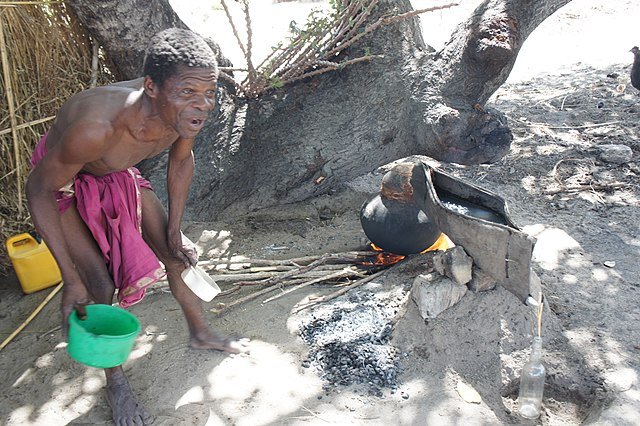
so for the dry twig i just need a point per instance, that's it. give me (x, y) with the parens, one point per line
(301, 277)
(324, 259)
(342, 291)
(313, 50)
(48, 59)
(589, 187)
(348, 256)
(345, 272)
(554, 171)
(32, 316)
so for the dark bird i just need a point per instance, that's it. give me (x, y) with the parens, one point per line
(635, 69)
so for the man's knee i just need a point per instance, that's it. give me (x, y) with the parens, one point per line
(102, 292)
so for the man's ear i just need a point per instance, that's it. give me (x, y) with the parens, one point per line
(150, 87)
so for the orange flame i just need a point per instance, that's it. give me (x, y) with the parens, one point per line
(383, 258)
(442, 243)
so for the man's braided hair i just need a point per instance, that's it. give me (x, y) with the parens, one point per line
(174, 47)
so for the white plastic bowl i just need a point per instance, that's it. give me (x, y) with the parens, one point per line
(200, 283)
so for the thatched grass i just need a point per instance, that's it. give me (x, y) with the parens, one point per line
(46, 57)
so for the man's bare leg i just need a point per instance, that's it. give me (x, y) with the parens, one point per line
(154, 227)
(87, 257)
(201, 336)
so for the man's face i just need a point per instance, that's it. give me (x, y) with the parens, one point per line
(186, 99)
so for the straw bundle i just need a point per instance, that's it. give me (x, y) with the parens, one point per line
(46, 57)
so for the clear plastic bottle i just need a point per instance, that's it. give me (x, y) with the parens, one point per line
(532, 383)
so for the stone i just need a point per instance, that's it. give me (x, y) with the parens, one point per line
(467, 393)
(616, 154)
(433, 294)
(481, 281)
(535, 285)
(454, 263)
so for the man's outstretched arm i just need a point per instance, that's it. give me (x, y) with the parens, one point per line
(179, 175)
(58, 167)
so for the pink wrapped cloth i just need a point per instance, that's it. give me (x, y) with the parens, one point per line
(111, 208)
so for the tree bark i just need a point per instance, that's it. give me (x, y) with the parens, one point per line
(469, 69)
(124, 28)
(309, 138)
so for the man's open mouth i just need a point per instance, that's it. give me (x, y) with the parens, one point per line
(196, 122)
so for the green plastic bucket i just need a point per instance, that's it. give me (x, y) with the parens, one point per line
(105, 338)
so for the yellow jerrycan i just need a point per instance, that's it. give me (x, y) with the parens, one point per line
(33, 262)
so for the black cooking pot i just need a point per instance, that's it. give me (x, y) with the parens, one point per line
(395, 220)
(396, 226)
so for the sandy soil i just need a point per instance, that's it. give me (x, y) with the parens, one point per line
(459, 368)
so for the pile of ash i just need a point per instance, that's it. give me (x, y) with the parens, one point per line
(350, 340)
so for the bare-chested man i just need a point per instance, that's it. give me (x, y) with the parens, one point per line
(97, 214)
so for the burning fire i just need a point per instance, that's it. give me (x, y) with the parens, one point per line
(442, 243)
(383, 258)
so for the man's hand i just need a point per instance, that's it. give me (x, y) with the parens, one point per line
(182, 248)
(74, 296)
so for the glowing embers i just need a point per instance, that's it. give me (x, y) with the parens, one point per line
(381, 257)
(385, 258)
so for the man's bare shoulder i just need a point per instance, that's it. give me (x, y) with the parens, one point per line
(107, 93)
(135, 84)
(103, 104)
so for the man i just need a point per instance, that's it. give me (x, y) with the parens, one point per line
(100, 218)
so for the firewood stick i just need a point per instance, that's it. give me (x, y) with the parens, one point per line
(260, 269)
(303, 283)
(259, 262)
(305, 260)
(251, 296)
(345, 272)
(242, 300)
(340, 292)
(263, 270)
(252, 269)
(251, 277)
(230, 290)
(292, 273)
(32, 316)
(256, 278)
(238, 287)
(265, 278)
(588, 187)
(305, 269)
(321, 276)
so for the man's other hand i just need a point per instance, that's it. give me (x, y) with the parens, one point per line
(74, 297)
(184, 249)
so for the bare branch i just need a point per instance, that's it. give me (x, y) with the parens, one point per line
(344, 272)
(341, 291)
(251, 77)
(312, 51)
(233, 27)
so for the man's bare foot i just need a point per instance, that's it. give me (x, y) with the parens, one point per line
(124, 406)
(220, 343)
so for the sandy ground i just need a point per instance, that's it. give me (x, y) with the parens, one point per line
(562, 103)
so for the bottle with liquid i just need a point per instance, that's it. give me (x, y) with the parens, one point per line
(532, 383)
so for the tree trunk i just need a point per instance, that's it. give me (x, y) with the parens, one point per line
(124, 29)
(310, 138)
